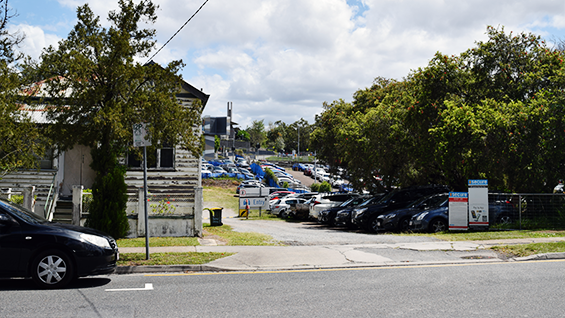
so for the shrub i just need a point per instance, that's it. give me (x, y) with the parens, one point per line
(108, 208)
(325, 187)
(315, 187)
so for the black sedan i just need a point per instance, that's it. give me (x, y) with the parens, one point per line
(52, 254)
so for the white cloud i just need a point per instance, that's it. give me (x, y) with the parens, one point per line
(35, 39)
(281, 59)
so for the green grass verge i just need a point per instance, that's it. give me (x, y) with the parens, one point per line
(530, 249)
(492, 235)
(190, 258)
(240, 238)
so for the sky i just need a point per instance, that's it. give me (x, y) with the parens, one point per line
(282, 59)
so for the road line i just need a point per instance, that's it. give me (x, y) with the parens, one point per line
(147, 287)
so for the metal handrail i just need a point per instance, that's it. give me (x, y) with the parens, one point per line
(50, 202)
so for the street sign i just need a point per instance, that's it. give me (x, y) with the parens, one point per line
(140, 135)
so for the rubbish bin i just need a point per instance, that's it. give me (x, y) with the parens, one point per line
(215, 216)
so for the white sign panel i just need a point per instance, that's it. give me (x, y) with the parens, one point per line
(458, 204)
(139, 135)
(478, 203)
(252, 203)
(249, 192)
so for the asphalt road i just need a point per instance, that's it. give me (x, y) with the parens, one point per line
(519, 289)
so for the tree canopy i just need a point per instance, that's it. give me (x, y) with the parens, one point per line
(21, 141)
(495, 112)
(97, 90)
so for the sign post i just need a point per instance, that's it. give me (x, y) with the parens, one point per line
(140, 140)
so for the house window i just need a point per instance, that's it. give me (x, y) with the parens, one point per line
(162, 158)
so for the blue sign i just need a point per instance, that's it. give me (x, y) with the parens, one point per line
(458, 194)
(478, 183)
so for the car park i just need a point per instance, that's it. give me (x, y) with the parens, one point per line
(399, 220)
(366, 217)
(52, 254)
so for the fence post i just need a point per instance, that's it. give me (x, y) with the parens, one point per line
(520, 210)
(29, 198)
(77, 204)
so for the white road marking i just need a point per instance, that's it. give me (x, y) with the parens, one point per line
(147, 287)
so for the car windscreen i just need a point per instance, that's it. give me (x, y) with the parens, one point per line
(22, 213)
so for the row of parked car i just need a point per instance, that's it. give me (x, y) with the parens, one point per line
(411, 209)
(227, 166)
(320, 173)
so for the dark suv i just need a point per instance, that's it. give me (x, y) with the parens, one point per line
(366, 217)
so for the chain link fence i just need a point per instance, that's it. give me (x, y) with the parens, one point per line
(527, 211)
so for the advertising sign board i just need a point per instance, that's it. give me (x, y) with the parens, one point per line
(458, 209)
(478, 203)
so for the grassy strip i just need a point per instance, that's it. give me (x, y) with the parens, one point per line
(158, 241)
(221, 197)
(192, 258)
(530, 249)
(493, 235)
(239, 238)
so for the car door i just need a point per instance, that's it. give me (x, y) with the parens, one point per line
(10, 244)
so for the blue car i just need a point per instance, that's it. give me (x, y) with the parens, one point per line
(501, 211)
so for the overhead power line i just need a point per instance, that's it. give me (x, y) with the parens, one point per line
(178, 31)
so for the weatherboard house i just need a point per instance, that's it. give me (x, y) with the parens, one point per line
(174, 183)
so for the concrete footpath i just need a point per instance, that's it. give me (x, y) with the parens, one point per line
(274, 258)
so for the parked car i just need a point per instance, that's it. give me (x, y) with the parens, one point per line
(283, 206)
(240, 162)
(52, 254)
(328, 200)
(433, 220)
(399, 220)
(219, 169)
(343, 216)
(249, 184)
(328, 216)
(366, 217)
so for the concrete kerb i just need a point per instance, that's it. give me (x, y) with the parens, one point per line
(352, 259)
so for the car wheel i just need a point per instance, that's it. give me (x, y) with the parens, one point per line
(52, 269)
(504, 219)
(373, 225)
(438, 225)
(404, 225)
(283, 214)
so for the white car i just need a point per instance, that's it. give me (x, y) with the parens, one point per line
(322, 202)
(283, 206)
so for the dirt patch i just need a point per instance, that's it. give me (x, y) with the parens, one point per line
(224, 183)
(219, 240)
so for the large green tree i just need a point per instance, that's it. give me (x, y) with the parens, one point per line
(257, 133)
(98, 90)
(496, 111)
(20, 140)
